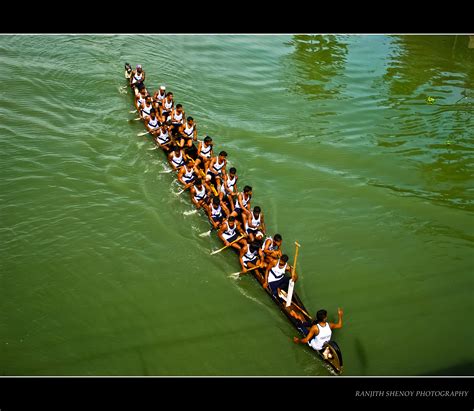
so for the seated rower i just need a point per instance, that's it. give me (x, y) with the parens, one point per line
(140, 99)
(228, 232)
(159, 96)
(275, 277)
(177, 118)
(254, 224)
(320, 333)
(163, 138)
(167, 105)
(200, 194)
(217, 211)
(229, 187)
(176, 158)
(272, 248)
(152, 124)
(216, 168)
(187, 174)
(137, 77)
(204, 152)
(242, 202)
(145, 109)
(187, 133)
(251, 256)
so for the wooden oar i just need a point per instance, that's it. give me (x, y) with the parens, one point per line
(284, 295)
(143, 133)
(291, 286)
(238, 273)
(228, 245)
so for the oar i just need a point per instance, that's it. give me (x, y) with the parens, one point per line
(284, 295)
(143, 134)
(206, 233)
(228, 245)
(238, 273)
(133, 111)
(190, 212)
(291, 285)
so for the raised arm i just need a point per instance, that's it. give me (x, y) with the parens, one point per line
(334, 326)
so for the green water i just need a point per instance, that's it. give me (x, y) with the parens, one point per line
(102, 274)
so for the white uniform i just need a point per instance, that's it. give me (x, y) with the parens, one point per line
(276, 273)
(229, 232)
(189, 131)
(324, 336)
(230, 184)
(206, 151)
(163, 138)
(249, 256)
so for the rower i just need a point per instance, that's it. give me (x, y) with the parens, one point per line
(137, 77)
(275, 277)
(254, 224)
(272, 248)
(159, 96)
(187, 174)
(176, 158)
(320, 333)
(140, 99)
(242, 202)
(177, 118)
(146, 108)
(152, 124)
(251, 256)
(200, 194)
(167, 105)
(229, 187)
(163, 138)
(228, 233)
(216, 168)
(204, 152)
(216, 212)
(187, 133)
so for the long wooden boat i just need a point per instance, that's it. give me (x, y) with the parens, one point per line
(296, 311)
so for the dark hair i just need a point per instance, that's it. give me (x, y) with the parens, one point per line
(197, 182)
(257, 209)
(247, 189)
(169, 93)
(152, 111)
(189, 118)
(255, 245)
(284, 258)
(179, 105)
(233, 170)
(216, 200)
(189, 161)
(277, 237)
(207, 139)
(231, 218)
(321, 315)
(223, 153)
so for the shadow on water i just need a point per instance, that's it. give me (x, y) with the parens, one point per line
(465, 368)
(315, 65)
(361, 355)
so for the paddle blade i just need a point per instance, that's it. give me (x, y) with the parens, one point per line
(142, 134)
(205, 234)
(190, 212)
(235, 276)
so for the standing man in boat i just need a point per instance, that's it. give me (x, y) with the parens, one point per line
(229, 231)
(137, 77)
(275, 277)
(320, 332)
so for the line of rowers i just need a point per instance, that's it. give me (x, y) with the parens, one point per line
(211, 188)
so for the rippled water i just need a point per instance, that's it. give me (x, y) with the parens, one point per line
(102, 274)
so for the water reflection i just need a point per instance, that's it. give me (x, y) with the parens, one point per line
(315, 64)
